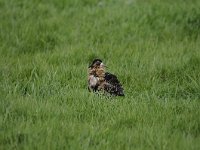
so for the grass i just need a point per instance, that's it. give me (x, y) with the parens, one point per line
(152, 46)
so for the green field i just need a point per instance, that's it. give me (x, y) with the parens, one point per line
(153, 46)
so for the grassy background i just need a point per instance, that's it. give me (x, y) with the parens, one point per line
(151, 45)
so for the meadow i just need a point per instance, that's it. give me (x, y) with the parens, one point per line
(153, 46)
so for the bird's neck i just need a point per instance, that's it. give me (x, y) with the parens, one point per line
(97, 71)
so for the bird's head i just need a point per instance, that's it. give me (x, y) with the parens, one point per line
(96, 63)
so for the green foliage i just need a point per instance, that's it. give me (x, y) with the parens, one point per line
(152, 46)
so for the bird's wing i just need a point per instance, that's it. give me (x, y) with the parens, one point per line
(113, 86)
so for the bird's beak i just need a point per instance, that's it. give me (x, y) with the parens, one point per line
(102, 65)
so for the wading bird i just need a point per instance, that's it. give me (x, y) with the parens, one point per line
(101, 81)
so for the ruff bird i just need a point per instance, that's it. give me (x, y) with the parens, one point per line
(101, 81)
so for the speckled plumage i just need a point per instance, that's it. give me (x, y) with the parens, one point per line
(101, 81)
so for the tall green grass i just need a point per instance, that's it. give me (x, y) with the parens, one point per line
(152, 46)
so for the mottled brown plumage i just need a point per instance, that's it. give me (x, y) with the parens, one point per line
(101, 81)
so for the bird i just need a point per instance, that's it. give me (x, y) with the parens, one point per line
(101, 81)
